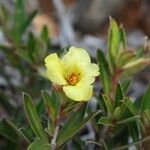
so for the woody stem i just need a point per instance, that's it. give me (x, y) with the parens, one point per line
(53, 142)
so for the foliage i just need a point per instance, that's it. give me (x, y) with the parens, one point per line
(54, 119)
(21, 63)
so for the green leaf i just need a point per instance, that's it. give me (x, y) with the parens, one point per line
(129, 104)
(19, 13)
(117, 113)
(52, 105)
(138, 103)
(40, 107)
(8, 130)
(108, 103)
(123, 37)
(39, 145)
(33, 118)
(19, 16)
(126, 85)
(139, 52)
(105, 121)
(104, 71)
(72, 126)
(21, 21)
(134, 118)
(147, 114)
(133, 130)
(146, 99)
(113, 42)
(134, 67)
(124, 58)
(31, 45)
(71, 106)
(146, 117)
(118, 95)
(26, 134)
(101, 103)
(50, 128)
(27, 22)
(44, 35)
(75, 123)
(23, 54)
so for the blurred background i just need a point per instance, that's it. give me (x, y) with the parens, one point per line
(85, 23)
(82, 23)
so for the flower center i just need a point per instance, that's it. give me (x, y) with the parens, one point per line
(73, 79)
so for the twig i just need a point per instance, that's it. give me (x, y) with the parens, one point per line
(93, 142)
(57, 126)
(132, 144)
(53, 142)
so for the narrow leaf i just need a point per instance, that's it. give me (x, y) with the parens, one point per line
(126, 85)
(139, 52)
(27, 22)
(31, 46)
(118, 95)
(134, 67)
(105, 121)
(26, 134)
(120, 111)
(104, 71)
(51, 104)
(113, 42)
(33, 118)
(44, 35)
(146, 99)
(39, 145)
(133, 130)
(123, 37)
(130, 105)
(124, 58)
(74, 125)
(8, 130)
(117, 113)
(19, 16)
(40, 108)
(108, 104)
(146, 117)
(134, 118)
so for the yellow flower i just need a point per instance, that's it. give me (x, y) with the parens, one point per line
(74, 72)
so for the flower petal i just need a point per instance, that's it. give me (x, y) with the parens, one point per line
(54, 69)
(75, 55)
(89, 72)
(94, 70)
(79, 92)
